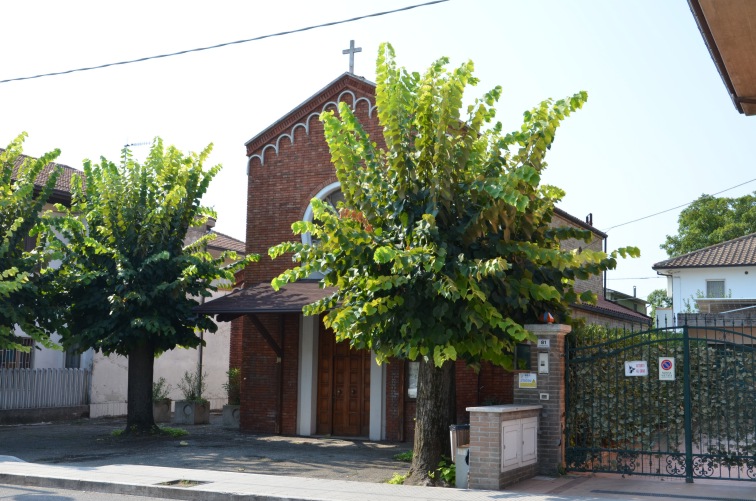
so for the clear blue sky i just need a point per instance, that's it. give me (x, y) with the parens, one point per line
(658, 130)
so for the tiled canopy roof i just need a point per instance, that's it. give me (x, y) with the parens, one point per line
(738, 252)
(261, 298)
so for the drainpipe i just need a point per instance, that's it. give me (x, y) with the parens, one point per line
(208, 228)
(605, 248)
(202, 339)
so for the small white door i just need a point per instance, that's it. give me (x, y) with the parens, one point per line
(510, 444)
(529, 440)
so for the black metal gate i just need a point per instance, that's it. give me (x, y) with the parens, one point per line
(675, 402)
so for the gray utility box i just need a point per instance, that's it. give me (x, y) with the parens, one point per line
(460, 447)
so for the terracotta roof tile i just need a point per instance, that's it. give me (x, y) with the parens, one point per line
(737, 252)
(62, 184)
(225, 242)
(605, 307)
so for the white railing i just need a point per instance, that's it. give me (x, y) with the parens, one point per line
(39, 388)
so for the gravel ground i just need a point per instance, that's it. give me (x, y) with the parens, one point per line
(88, 442)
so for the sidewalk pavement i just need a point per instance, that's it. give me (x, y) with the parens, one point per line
(84, 455)
(209, 485)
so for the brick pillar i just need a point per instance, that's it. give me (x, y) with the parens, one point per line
(551, 425)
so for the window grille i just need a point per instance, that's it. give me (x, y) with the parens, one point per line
(16, 359)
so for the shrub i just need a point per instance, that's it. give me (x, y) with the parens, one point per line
(233, 386)
(193, 385)
(397, 479)
(160, 390)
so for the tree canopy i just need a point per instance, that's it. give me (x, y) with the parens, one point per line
(711, 220)
(658, 298)
(130, 281)
(444, 247)
(25, 286)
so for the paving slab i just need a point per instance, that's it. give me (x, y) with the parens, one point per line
(212, 485)
(83, 455)
(208, 485)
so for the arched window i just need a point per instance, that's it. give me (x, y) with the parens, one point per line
(331, 194)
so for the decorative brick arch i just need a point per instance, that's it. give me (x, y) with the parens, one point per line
(305, 124)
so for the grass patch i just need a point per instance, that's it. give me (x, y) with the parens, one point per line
(173, 432)
(397, 479)
(404, 456)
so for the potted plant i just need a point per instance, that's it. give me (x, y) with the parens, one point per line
(233, 390)
(193, 409)
(161, 404)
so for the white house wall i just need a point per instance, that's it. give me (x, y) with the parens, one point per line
(110, 373)
(688, 283)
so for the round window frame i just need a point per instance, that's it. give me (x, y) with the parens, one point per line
(321, 195)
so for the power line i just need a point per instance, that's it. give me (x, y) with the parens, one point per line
(673, 208)
(225, 44)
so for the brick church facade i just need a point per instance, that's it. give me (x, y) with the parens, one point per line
(296, 380)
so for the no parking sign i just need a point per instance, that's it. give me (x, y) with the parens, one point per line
(666, 368)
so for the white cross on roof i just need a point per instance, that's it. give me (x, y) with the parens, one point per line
(351, 51)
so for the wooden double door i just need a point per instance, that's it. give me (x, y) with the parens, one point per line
(343, 388)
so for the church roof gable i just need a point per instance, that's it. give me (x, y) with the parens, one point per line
(300, 116)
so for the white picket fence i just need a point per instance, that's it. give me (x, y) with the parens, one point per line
(40, 388)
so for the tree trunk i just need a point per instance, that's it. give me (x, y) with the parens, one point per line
(432, 420)
(139, 417)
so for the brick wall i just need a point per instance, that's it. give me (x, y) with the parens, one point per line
(235, 344)
(596, 282)
(490, 386)
(269, 386)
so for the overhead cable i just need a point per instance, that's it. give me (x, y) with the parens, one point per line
(676, 207)
(225, 44)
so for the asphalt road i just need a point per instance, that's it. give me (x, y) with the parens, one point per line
(88, 442)
(23, 493)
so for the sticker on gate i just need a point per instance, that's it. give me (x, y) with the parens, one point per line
(636, 368)
(666, 368)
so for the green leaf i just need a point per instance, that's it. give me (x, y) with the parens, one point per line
(384, 255)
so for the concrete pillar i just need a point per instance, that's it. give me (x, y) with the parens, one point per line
(308, 376)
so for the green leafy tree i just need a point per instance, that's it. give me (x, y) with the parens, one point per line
(443, 248)
(658, 298)
(711, 220)
(130, 283)
(25, 281)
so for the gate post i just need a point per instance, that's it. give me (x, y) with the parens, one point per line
(549, 393)
(687, 408)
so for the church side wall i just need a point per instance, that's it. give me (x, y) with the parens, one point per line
(279, 191)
